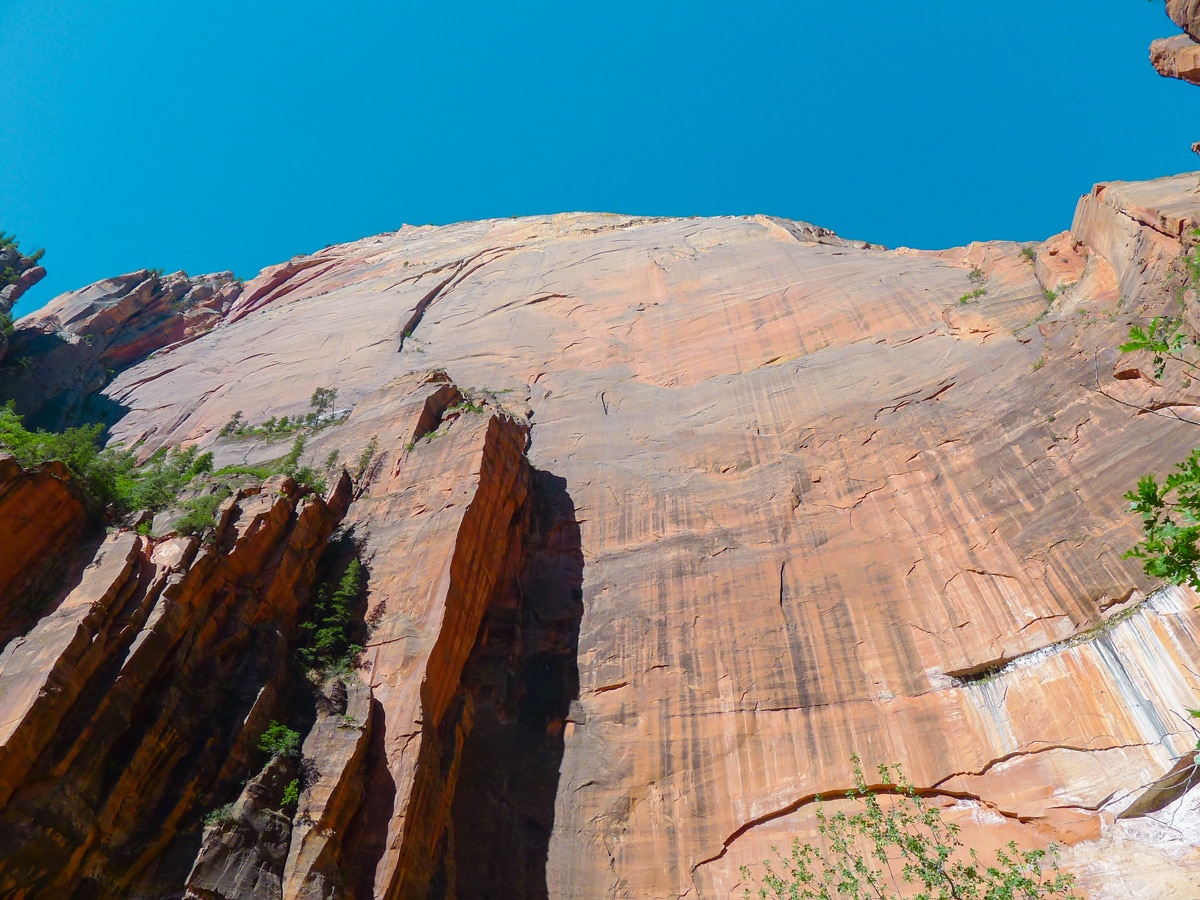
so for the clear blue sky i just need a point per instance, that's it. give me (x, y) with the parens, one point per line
(220, 135)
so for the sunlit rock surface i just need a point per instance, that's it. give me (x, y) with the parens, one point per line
(666, 520)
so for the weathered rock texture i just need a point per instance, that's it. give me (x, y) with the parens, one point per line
(664, 520)
(42, 520)
(1179, 56)
(76, 343)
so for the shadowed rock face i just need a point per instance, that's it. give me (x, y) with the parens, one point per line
(664, 520)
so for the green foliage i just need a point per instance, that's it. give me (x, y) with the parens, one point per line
(1051, 295)
(235, 422)
(6, 324)
(1170, 509)
(971, 296)
(201, 512)
(366, 458)
(157, 483)
(1030, 255)
(219, 815)
(329, 645)
(291, 795)
(320, 415)
(286, 465)
(471, 405)
(110, 479)
(976, 274)
(322, 400)
(1039, 362)
(901, 848)
(279, 740)
(9, 241)
(76, 448)
(1170, 514)
(1163, 339)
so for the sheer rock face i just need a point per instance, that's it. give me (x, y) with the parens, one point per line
(41, 517)
(665, 519)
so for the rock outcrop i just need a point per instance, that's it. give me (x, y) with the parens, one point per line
(1179, 56)
(664, 520)
(75, 344)
(134, 703)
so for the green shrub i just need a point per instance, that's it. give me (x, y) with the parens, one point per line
(291, 795)
(900, 849)
(106, 478)
(319, 417)
(971, 296)
(279, 740)
(329, 643)
(366, 457)
(201, 512)
(322, 400)
(6, 324)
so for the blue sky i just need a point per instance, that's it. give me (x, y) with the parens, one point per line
(225, 135)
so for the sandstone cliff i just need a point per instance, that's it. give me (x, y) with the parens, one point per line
(663, 520)
(71, 347)
(701, 508)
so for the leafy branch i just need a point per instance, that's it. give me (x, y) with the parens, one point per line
(902, 848)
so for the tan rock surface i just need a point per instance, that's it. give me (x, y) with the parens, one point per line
(73, 345)
(1186, 14)
(786, 498)
(819, 489)
(1177, 57)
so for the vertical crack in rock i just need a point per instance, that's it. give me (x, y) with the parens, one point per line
(521, 677)
(465, 801)
(461, 272)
